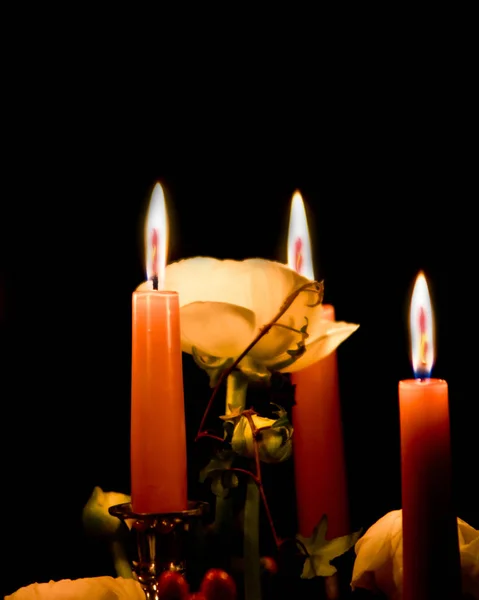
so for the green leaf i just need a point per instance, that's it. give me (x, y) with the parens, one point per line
(282, 420)
(304, 329)
(275, 443)
(294, 353)
(320, 552)
(297, 352)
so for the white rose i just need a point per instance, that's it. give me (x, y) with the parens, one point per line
(379, 557)
(93, 588)
(96, 518)
(224, 304)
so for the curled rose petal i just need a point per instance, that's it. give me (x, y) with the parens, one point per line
(93, 588)
(324, 338)
(96, 518)
(216, 328)
(379, 556)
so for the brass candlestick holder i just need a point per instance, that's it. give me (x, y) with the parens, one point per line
(160, 542)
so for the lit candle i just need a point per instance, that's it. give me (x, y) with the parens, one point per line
(158, 436)
(319, 460)
(430, 541)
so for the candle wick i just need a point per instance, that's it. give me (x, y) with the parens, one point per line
(154, 278)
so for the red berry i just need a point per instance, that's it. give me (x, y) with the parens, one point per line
(172, 586)
(218, 585)
(269, 564)
(197, 596)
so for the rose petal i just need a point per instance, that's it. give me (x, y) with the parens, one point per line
(270, 285)
(245, 283)
(96, 518)
(379, 557)
(216, 328)
(206, 279)
(378, 564)
(324, 337)
(470, 568)
(274, 343)
(93, 588)
(468, 533)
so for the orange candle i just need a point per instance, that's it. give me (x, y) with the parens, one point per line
(431, 564)
(158, 436)
(319, 458)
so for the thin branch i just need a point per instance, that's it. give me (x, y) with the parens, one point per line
(259, 480)
(245, 472)
(289, 328)
(211, 436)
(310, 286)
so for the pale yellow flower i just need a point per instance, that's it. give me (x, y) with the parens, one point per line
(274, 443)
(96, 518)
(225, 303)
(93, 588)
(98, 522)
(379, 557)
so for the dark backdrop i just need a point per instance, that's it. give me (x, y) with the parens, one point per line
(390, 183)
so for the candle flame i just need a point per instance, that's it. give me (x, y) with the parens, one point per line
(421, 329)
(299, 245)
(156, 238)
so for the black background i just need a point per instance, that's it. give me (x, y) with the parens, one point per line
(383, 153)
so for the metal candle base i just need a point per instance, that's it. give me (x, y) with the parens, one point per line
(160, 542)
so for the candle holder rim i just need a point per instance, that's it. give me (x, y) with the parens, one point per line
(124, 511)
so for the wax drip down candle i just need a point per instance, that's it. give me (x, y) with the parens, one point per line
(431, 564)
(318, 447)
(158, 435)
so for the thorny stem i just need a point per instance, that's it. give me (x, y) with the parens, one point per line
(212, 436)
(245, 472)
(310, 286)
(258, 478)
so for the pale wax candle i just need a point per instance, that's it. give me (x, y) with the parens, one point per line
(158, 436)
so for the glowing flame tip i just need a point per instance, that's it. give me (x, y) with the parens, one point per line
(421, 328)
(156, 237)
(299, 244)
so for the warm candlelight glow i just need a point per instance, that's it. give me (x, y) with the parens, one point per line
(299, 245)
(320, 473)
(158, 434)
(156, 238)
(429, 527)
(421, 329)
